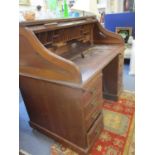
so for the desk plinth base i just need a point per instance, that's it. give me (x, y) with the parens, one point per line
(111, 97)
(61, 140)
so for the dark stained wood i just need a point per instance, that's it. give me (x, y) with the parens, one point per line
(65, 70)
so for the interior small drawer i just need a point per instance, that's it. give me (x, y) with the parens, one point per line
(95, 130)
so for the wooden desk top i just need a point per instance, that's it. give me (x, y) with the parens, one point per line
(88, 65)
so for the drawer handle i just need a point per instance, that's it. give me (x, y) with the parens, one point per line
(95, 103)
(93, 91)
(94, 115)
(97, 131)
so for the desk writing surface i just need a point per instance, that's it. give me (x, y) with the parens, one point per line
(96, 58)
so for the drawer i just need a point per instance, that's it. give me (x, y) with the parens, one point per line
(90, 119)
(95, 130)
(96, 102)
(92, 89)
(95, 81)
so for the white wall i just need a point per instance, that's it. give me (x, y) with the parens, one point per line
(114, 6)
(33, 5)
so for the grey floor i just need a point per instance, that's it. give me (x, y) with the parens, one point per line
(36, 143)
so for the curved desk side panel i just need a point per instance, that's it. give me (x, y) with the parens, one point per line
(36, 60)
(102, 36)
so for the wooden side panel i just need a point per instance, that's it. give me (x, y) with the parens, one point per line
(102, 36)
(111, 77)
(112, 80)
(36, 60)
(55, 107)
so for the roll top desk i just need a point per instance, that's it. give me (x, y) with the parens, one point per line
(67, 67)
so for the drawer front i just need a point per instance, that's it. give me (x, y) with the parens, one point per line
(95, 131)
(96, 103)
(95, 81)
(92, 89)
(91, 119)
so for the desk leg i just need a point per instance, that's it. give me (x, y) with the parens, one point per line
(112, 78)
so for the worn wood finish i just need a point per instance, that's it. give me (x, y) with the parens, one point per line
(66, 67)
